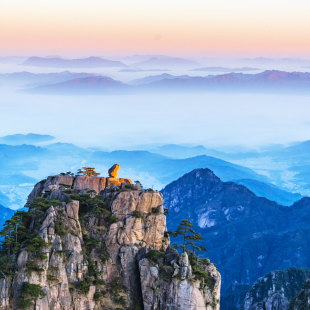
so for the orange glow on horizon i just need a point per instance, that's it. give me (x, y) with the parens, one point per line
(182, 28)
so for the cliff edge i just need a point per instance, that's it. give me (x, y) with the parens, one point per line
(100, 243)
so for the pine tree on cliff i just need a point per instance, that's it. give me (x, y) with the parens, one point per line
(88, 171)
(190, 237)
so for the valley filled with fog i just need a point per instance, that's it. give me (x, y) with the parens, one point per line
(246, 127)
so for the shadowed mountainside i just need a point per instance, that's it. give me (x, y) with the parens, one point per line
(246, 236)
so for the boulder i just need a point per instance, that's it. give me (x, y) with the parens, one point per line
(113, 171)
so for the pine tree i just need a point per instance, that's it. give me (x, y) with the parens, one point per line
(190, 237)
(88, 171)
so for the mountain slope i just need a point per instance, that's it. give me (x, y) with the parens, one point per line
(167, 169)
(90, 62)
(276, 289)
(30, 79)
(270, 192)
(247, 236)
(30, 138)
(90, 85)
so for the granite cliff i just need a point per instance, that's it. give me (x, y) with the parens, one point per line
(99, 243)
(275, 290)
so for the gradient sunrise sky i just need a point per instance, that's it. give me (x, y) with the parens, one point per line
(223, 28)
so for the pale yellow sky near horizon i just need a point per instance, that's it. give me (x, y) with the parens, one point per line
(180, 27)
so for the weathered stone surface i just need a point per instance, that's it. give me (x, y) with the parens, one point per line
(183, 260)
(72, 209)
(275, 290)
(113, 171)
(118, 252)
(4, 294)
(93, 183)
(118, 182)
(127, 202)
(36, 192)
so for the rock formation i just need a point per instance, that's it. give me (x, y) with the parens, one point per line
(91, 244)
(302, 299)
(113, 171)
(275, 290)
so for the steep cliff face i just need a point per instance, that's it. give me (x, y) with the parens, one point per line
(302, 299)
(275, 290)
(97, 243)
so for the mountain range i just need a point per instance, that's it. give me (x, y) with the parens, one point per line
(224, 69)
(29, 79)
(90, 62)
(30, 138)
(268, 81)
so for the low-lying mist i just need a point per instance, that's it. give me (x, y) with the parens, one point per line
(123, 122)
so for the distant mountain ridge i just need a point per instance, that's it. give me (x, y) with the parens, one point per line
(224, 69)
(89, 85)
(30, 138)
(268, 81)
(34, 79)
(90, 62)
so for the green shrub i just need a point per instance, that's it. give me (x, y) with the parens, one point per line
(36, 244)
(201, 275)
(112, 219)
(101, 211)
(83, 286)
(99, 282)
(30, 292)
(60, 228)
(154, 255)
(155, 211)
(122, 301)
(165, 273)
(137, 214)
(32, 266)
(116, 285)
(67, 191)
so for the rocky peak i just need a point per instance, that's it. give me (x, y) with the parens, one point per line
(102, 243)
(275, 290)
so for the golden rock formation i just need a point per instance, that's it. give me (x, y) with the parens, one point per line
(113, 171)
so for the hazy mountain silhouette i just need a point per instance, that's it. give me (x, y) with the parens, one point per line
(224, 69)
(90, 62)
(90, 85)
(30, 138)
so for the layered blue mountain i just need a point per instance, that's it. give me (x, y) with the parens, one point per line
(224, 69)
(246, 236)
(90, 62)
(270, 192)
(30, 138)
(268, 81)
(93, 85)
(167, 169)
(29, 79)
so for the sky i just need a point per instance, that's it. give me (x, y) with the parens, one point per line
(192, 28)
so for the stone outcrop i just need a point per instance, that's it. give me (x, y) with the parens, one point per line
(59, 187)
(275, 290)
(110, 252)
(302, 299)
(113, 171)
